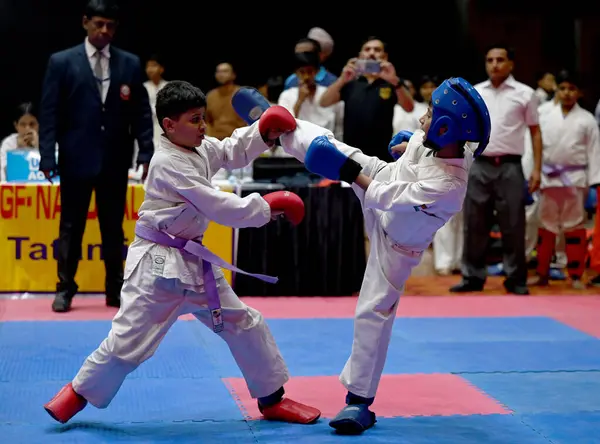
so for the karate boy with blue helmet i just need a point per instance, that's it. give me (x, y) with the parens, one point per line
(404, 203)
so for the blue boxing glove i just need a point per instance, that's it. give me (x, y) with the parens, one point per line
(324, 159)
(402, 136)
(249, 104)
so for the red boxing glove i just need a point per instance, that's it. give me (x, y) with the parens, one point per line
(274, 122)
(290, 203)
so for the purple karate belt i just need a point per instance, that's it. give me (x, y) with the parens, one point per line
(554, 171)
(208, 259)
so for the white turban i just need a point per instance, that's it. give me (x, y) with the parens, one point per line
(324, 39)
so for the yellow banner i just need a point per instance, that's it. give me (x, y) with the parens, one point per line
(29, 219)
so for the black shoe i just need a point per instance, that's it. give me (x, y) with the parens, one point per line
(62, 303)
(467, 287)
(517, 289)
(64, 296)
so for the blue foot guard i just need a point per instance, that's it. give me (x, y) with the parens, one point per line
(355, 418)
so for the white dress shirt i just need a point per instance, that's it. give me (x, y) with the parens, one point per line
(331, 117)
(513, 108)
(104, 62)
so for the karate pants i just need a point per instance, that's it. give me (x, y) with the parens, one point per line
(448, 245)
(150, 305)
(387, 270)
(562, 211)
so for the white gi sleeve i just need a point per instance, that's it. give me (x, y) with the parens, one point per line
(399, 196)
(593, 153)
(237, 151)
(297, 142)
(222, 207)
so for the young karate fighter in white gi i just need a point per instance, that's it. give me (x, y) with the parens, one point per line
(404, 204)
(571, 164)
(169, 273)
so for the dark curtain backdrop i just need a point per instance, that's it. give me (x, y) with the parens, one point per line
(257, 37)
(323, 256)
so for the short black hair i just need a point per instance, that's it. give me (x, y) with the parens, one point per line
(23, 109)
(309, 58)
(539, 75)
(176, 98)
(569, 77)
(315, 44)
(102, 8)
(156, 58)
(510, 51)
(426, 78)
(374, 37)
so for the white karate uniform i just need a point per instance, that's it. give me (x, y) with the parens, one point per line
(570, 139)
(532, 211)
(407, 202)
(163, 283)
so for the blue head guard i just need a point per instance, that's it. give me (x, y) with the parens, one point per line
(459, 108)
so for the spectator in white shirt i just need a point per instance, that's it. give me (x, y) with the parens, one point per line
(25, 137)
(155, 70)
(496, 179)
(303, 100)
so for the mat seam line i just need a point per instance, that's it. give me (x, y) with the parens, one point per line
(529, 426)
(245, 415)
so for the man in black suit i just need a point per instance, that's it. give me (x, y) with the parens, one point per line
(93, 105)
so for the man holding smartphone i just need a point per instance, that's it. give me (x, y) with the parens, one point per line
(370, 88)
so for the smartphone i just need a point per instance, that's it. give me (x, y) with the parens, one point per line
(367, 66)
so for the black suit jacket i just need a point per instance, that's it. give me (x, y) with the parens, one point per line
(93, 136)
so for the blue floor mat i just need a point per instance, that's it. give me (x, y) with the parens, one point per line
(526, 393)
(80, 432)
(139, 400)
(191, 350)
(489, 429)
(453, 346)
(567, 428)
(177, 396)
(56, 351)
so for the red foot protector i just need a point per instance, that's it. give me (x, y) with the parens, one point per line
(65, 404)
(289, 410)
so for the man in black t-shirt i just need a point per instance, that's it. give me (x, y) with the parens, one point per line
(370, 88)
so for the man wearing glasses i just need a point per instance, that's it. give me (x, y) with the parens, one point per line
(93, 105)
